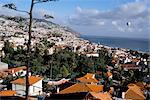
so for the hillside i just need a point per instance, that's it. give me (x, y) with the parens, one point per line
(13, 28)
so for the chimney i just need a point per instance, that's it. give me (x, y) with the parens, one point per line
(123, 95)
(93, 76)
(29, 74)
(12, 71)
(57, 89)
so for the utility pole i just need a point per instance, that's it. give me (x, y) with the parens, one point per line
(13, 7)
(29, 49)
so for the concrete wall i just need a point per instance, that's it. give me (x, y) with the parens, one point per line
(35, 88)
(20, 89)
(3, 66)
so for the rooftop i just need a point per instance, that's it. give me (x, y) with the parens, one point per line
(22, 81)
(88, 78)
(134, 92)
(14, 70)
(81, 87)
(101, 95)
(8, 93)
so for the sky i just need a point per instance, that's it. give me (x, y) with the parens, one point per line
(93, 17)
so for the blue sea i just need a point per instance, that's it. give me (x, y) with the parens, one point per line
(129, 43)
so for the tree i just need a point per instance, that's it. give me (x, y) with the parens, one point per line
(13, 7)
(65, 71)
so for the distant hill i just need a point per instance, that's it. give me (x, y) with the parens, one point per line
(10, 25)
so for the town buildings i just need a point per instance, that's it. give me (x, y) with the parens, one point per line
(114, 82)
(35, 86)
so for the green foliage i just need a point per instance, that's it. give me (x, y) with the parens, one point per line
(63, 63)
(64, 71)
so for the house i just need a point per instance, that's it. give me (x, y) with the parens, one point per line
(62, 81)
(134, 93)
(1, 45)
(3, 87)
(109, 74)
(3, 66)
(18, 71)
(136, 61)
(88, 78)
(130, 67)
(90, 54)
(8, 93)
(35, 85)
(82, 87)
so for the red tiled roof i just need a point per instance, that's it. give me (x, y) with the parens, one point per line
(81, 87)
(109, 74)
(14, 70)
(134, 92)
(8, 93)
(22, 81)
(135, 59)
(129, 65)
(101, 96)
(88, 78)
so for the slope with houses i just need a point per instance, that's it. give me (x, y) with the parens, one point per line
(88, 86)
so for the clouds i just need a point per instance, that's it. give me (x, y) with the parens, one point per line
(108, 17)
(113, 22)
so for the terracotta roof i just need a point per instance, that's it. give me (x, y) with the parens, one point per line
(141, 85)
(134, 92)
(14, 70)
(135, 59)
(129, 65)
(88, 78)
(109, 74)
(81, 87)
(148, 85)
(22, 81)
(8, 93)
(101, 95)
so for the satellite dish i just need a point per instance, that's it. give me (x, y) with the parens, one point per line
(128, 23)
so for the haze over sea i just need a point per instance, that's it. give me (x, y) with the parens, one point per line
(129, 43)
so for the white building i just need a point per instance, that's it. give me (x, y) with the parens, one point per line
(92, 54)
(35, 86)
(1, 44)
(3, 66)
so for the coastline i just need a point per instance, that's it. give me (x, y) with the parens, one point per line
(136, 44)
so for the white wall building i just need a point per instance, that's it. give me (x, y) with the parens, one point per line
(35, 86)
(92, 54)
(3, 66)
(1, 44)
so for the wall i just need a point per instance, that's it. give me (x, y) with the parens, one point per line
(20, 89)
(35, 88)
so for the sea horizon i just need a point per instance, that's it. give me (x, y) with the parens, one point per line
(139, 44)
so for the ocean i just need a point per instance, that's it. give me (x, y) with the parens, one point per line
(128, 43)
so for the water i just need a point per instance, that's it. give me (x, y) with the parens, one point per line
(129, 43)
